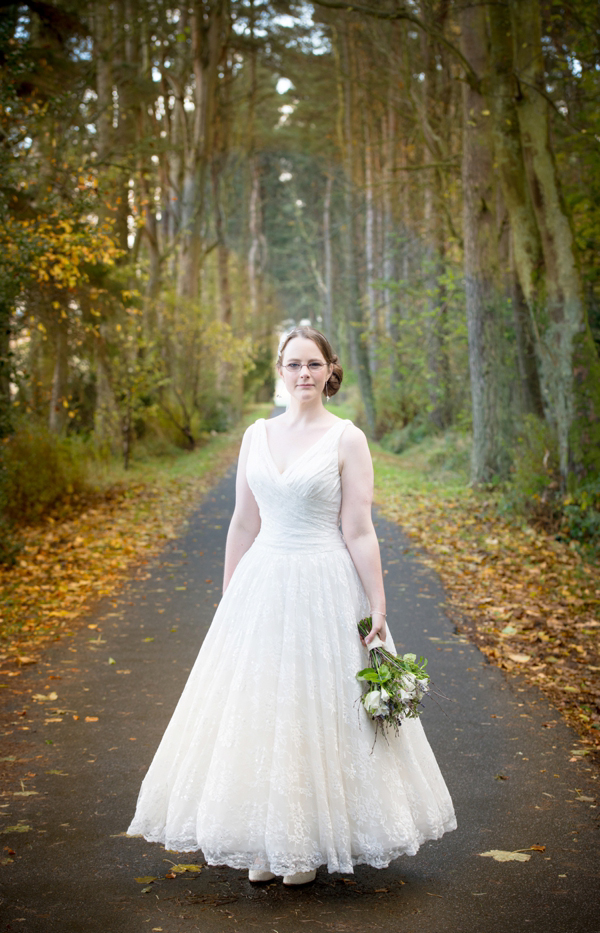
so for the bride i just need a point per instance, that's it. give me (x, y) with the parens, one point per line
(268, 762)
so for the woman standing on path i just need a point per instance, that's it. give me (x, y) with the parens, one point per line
(268, 763)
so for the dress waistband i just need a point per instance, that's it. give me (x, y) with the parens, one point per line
(292, 542)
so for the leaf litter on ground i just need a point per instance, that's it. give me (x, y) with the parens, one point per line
(71, 560)
(529, 601)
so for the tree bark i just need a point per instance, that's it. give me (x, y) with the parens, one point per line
(480, 258)
(354, 315)
(370, 244)
(6, 307)
(210, 29)
(60, 380)
(434, 119)
(328, 303)
(569, 358)
(526, 287)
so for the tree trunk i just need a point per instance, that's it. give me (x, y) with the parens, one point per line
(5, 367)
(104, 79)
(570, 364)
(354, 316)
(328, 303)
(60, 381)
(526, 285)
(106, 418)
(210, 29)
(480, 259)
(389, 271)
(254, 225)
(370, 245)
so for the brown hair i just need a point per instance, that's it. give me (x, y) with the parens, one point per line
(335, 380)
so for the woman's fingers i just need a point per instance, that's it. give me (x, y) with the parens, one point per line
(377, 629)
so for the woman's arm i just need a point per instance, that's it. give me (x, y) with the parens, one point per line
(245, 521)
(357, 525)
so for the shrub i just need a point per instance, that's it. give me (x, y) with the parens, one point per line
(41, 471)
(581, 515)
(400, 439)
(533, 490)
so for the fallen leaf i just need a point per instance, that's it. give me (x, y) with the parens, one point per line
(146, 879)
(42, 698)
(19, 828)
(499, 855)
(170, 874)
(518, 658)
(181, 868)
(91, 719)
(538, 848)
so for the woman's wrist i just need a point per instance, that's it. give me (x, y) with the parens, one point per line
(378, 612)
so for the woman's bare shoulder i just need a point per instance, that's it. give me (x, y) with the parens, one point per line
(353, 435)
(353, 441)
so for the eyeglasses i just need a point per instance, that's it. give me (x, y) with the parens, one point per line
(313, 367)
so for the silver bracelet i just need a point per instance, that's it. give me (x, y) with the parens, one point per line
(379, 612)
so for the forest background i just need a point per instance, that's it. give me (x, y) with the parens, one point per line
(179, 182)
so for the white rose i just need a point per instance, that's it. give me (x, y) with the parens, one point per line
(422, 687)
(374, 702)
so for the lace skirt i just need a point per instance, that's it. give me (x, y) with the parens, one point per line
(268, 761)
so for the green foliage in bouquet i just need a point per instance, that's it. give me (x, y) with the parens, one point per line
(396, 684)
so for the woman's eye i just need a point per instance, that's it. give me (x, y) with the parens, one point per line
(294, 367)
(315, 367)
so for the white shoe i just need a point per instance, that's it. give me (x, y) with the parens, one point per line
(301, 877)
(257, 876)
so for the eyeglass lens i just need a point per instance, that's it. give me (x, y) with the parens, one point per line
(314, 367)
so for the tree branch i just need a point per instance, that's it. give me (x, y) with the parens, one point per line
(402, 14)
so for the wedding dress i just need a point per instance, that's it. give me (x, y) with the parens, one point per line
(268, 762)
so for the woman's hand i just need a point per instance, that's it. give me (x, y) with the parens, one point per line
(378, 627)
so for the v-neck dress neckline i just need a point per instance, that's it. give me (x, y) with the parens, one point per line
(302, 455)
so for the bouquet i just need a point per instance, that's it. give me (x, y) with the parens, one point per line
(396, 684)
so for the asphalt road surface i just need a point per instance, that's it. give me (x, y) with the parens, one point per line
(507, 759)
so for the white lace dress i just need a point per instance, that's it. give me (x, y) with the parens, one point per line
(268, 761)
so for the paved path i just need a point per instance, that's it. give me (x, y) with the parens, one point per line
(74, 872)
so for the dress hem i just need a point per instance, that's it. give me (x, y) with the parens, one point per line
(247, 862)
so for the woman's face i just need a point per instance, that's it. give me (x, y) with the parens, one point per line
(303, 369)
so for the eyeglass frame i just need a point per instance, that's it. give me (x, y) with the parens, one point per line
(317, 366)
